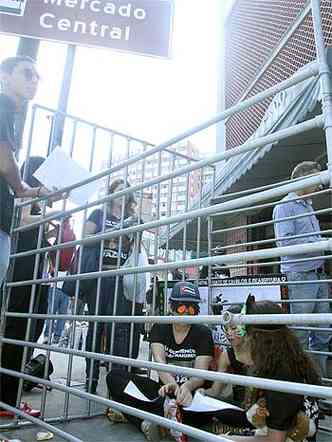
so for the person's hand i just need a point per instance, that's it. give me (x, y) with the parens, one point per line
(183, 396)
(32, 192)
(167, 389)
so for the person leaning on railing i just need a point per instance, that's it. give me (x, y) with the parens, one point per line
(179, 344)
(19, 297)
(19, 81)
(274, 352)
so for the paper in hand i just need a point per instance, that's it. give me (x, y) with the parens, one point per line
(201, 403)
(59, 171)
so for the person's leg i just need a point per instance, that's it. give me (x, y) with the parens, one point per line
(103, 299)
(137, 331)
(4, 255)
(121, 330)
(319, 341)
(51, 310)
(62, 310)
(40, 307)
(299, 292)
(117, 381)
(12, 354)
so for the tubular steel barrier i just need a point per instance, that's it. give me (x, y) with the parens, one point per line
(102, 325)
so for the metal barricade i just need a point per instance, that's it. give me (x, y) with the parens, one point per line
(162, 229)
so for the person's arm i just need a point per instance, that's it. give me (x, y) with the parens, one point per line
(217, 387)
(284, 230)
(158, 353)
(184, 394)
(27, 218)
(10, 172)
(272, 436)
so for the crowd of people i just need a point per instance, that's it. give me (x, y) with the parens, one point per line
(265, 351)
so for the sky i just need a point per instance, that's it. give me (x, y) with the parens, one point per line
(149, 98)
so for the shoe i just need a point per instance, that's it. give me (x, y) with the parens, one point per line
(93, 387)
(7, 415)
(151, 431)
(116, 417)
(26, 408)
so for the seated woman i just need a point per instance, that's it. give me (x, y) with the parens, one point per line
(227, 362)
(274, 352)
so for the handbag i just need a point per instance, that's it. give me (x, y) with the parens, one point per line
(142, 279)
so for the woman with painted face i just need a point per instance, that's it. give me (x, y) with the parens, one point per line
(111, 287)
(274, 352)
(227, 362)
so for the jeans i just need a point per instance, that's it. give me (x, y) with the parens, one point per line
(60, 307)
(4, 254)
(314, 341)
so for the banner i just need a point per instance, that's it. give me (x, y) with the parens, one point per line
(137, 26)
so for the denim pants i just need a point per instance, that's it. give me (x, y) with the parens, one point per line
(60, 307)
(314, 341)
(4, 254)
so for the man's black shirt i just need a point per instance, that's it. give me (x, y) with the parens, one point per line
(7, 136)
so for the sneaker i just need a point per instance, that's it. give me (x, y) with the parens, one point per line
(7, 415)
(27, 408)
(150, 431)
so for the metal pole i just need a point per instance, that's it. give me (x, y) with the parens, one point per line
(324, 78)
(59, 118)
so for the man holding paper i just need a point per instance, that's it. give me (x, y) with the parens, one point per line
(19, 81)
(189, 346)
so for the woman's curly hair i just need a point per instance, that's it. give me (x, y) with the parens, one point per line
(275, 348)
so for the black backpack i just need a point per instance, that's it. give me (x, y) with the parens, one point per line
(36, 367)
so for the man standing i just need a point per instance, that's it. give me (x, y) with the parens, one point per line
(19, 80)
(294, 204)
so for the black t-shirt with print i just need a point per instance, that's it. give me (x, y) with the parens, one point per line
(110, 252)
(198, 342)
(8, 137)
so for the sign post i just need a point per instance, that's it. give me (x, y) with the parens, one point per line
(136, 26)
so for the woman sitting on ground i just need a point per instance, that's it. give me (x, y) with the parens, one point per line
(274, 352)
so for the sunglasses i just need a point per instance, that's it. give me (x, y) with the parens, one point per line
(189, 309)
(30, 74)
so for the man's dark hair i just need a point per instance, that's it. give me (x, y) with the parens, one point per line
(8, 65)
(305, 168)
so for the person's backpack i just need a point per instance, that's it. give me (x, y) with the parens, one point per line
(36, 367)
(66, 254)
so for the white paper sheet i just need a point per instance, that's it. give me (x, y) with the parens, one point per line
(206, 403)
(133, 391)
(59, 170)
